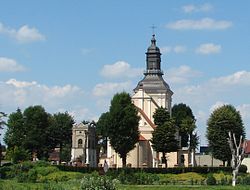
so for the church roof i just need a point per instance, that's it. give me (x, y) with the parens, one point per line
(153, 84)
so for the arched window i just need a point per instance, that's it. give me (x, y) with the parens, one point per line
(80, 143)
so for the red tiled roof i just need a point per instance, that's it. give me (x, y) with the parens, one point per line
(146, 117)
(142, 138)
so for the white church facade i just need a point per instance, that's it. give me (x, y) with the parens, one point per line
(151, 93)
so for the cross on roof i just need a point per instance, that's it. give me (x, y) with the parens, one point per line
(153, 28)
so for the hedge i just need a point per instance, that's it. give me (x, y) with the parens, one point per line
(175, 170)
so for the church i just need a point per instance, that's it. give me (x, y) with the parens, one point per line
(150, 93)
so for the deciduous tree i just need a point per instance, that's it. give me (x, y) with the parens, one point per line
(123, 125)
(102, 130)
(164, 139)
(60, 133)
(160, 116)
(185, 121)
(29, 131)
(222, 120)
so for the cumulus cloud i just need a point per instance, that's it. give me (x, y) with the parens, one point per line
(22, 94)
(244, 111)
(208, 48)
(182, 74)
(166, 49)
(197, 8)
(237, 78)
(120, 69)
(10, 65)
(203, 24)
(107, 89)
(24, 34)
(204, 97)
(175, 49)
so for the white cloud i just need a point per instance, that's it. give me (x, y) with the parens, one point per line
(166, 49)
(175, 49)
(206, 96)
(87, 51)
(203, 24)
(20, 84)
(208, 48)
(107, 89)
(10, 65)
(179, 49)
(24, 34)
(22, 94)
(181, 74)
(120, 69)
(197, 8)
(237, 78)
(244, 111)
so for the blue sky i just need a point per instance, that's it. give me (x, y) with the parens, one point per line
(75, 55)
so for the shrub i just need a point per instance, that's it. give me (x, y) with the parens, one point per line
(222, 178)
(32, 176)
(60, 176)
(184, 178)
(246, 180)
(98, 183)
(3, 171)
(46, 170)
(41, 163)
(211, 180)
(24, 177)
(243, 169)
(142, 178)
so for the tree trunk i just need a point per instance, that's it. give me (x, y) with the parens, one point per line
(238, 151)
(124, 161)
(164, 159)
(234, 177)
(60, 152)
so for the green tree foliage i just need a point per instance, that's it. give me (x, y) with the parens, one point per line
(123, 125)
(60, 131)
(36, 125)
(160, 116)
(222, 120)
(185, 121)
(15, 133)
(36, 131)
(17, 154)
(164, 138)
(102, 130)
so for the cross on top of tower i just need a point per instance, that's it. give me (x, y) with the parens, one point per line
(153, 29)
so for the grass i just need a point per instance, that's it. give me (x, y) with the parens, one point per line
(73, 185)
(185, 187)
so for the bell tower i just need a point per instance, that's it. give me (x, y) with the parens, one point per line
(153, 83)
(153, 58)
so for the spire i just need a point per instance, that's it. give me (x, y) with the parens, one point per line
(153, 40)
(153, 58)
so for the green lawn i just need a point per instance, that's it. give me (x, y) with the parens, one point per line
(13, 185)
(169, 187)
